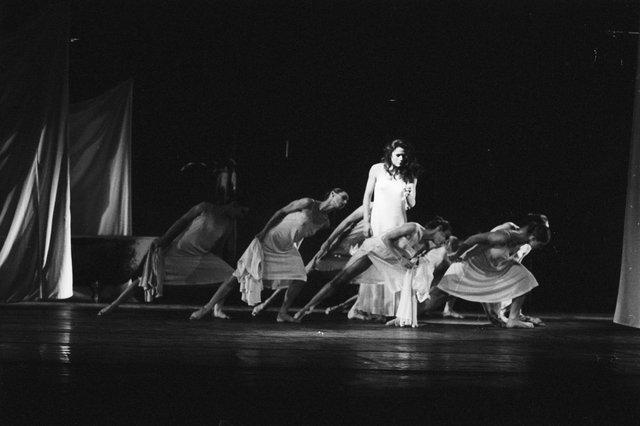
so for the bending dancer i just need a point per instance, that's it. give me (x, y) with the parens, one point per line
(273, 259)
(392, 255)
(185, 253)
(392, 185)
(333, 254)
(490, 273)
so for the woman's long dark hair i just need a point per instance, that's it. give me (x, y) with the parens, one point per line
(411, 169)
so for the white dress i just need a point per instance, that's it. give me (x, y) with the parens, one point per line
(388, 212)
(410, 284)
(276, 261)
(488, 275)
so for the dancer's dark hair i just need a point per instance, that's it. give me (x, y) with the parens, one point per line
(337, 191)
(410, 169)
(538, 226)
(438, 221)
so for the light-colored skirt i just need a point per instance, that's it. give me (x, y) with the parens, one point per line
(163, 267)
(408, 286)
(262, 267)
(466, 281)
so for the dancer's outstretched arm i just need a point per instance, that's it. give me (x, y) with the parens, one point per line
(132, 284)
(262, 306)
(336, 236)
(180, 225)
(366, 199)
(489, 238)
(277, 217)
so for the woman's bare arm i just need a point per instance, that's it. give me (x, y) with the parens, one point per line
(180, 225)
(488, 238)
(410, 195)
(281, 213)
(366, 199)
(347, 223)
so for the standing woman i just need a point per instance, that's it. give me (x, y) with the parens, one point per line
(392, 185)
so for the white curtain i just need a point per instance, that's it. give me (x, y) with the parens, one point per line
(628, 305)
(35, 231)
(100, 157)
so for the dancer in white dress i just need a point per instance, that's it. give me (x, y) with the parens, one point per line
(490, 272)
(392, 185)
(188, 253)
(332, 256)
(272, 259)
(392, 255)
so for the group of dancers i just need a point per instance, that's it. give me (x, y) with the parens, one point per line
(402, 268)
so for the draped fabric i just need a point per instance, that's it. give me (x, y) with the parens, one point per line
(628, 304)
(100, 157)
(35, 233)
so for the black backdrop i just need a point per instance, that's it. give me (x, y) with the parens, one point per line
(513, 106)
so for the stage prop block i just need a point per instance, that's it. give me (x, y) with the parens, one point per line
(108, 260)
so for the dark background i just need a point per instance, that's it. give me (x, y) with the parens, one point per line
(513, 106)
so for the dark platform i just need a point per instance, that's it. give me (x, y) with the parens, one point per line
(61, 364)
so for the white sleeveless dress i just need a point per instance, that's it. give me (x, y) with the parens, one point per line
(388, 212)
(276, 260)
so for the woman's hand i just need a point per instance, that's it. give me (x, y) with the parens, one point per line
(407, 263)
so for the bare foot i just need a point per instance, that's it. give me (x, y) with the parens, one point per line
(377, 318)
(513, 323)
(451, 314)
(286, 318)
(393, 323)
(200, 313)
(219, 313)
(533, 320)
(497, 321)
(357, 314)
(396, 323)
(302, 313)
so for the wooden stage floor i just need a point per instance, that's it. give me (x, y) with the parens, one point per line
(60, 364)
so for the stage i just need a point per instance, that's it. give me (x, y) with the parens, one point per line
(148, 364)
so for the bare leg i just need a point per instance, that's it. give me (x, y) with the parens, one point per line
(343, 277)
(448, 311)
(514, 320)
(492, 311)
(435, 300)
(289, 297)
(123, 296)
(217, 298)
(261, 306)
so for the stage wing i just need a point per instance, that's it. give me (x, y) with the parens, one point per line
(35, 232)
